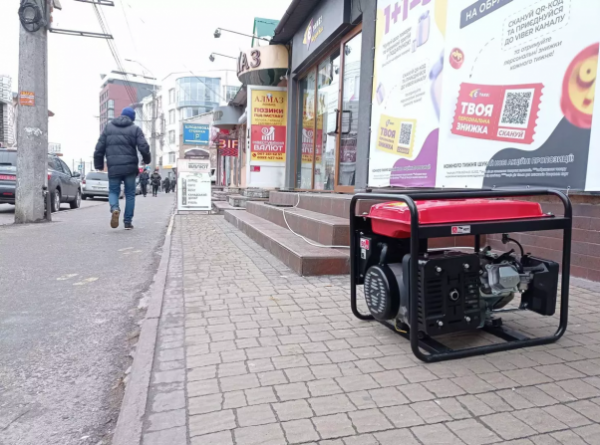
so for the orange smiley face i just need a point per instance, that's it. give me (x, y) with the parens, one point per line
(579, 88)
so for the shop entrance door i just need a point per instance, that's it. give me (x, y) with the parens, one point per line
(348, 116)
(328, 130)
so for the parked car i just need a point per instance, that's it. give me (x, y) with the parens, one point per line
(64, 185)
(96, 185)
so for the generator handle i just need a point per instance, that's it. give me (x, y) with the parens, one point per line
(409, 199)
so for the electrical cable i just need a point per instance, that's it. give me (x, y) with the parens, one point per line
(29, 23)
(304, 238)
(506, 239)
(129, 28)
(114, 51)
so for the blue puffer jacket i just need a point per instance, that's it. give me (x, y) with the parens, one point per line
(119, 143)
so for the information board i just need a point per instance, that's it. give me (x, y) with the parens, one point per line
(194, 185)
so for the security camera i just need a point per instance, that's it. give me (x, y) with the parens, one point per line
(217, 33)
(211, 58)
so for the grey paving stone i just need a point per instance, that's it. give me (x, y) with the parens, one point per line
(333, 426)
(211, 423)
(170, 436)
(402, 416)
(324, 387)
(508, 426)
(258, 396)
(567, 415)
(166, 420)
(587, 408)
(222, 438)
(293, 410)
(331, 404)
(368, 421)
(396, 437)
(271, 434)
(472, 432)
(292, 391)
(430, 412)
(234, 383)
(436, 435)
(540, 420)
(299, 431)
(167, 401)
(255, 415)
(205, 404)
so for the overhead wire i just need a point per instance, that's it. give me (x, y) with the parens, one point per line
(115, 53)
(187, 69)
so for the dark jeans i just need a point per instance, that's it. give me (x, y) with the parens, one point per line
(144, 186)
(155, 189)
(114, 190)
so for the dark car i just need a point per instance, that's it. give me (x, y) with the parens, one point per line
(8, 175)
(64, 185)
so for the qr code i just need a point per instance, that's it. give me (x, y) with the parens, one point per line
(406, 129)
(516, 108)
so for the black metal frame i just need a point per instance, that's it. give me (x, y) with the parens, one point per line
(514, 340)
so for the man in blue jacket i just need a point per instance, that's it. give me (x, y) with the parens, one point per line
(119, 143)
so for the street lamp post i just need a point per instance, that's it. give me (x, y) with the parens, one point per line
(218, 33)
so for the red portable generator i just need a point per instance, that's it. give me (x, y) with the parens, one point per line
(422, 293)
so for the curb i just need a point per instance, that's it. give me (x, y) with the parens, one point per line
(133, 408)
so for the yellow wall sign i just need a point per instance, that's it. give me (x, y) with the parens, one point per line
(269, 121)
(396, 135)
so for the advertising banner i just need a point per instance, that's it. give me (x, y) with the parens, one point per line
(194, 185)
(519, 94)
(268, 126)
(409, 60)
(485, 93)
(196, 134)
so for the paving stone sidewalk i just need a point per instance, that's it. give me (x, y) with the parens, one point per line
(251, 354)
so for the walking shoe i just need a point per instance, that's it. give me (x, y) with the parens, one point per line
(128, 226)
(114, 220)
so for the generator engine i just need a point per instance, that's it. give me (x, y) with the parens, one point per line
(456, 290)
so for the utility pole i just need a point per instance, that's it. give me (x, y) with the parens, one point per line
(32, 120)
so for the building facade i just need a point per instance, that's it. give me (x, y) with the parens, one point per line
(184, 96)
(120, 90)
(7, 130)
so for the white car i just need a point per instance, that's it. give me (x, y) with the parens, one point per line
(95, 185)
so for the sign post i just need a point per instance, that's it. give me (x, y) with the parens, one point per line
(193, 185)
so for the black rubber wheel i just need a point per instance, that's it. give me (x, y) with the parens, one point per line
(56, 200)
(84, 197)
(76, 203)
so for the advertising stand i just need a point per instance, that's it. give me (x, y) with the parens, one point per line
(193, 185)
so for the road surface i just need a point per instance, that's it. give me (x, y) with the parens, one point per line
(69, 295)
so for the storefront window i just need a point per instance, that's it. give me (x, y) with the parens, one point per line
(328, 83)
(306, 132)
(349, 122)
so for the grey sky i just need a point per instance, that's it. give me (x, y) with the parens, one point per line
(168, 36)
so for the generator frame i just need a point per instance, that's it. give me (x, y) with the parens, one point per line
(419, 233)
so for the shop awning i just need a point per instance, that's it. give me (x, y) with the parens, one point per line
(227, 116)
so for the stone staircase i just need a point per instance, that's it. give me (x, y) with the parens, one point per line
(264, 222)
(320, 218)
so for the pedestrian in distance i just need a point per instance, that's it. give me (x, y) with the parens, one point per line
(119, 143)
(166, 185)
(155, 180)
(144, 180)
